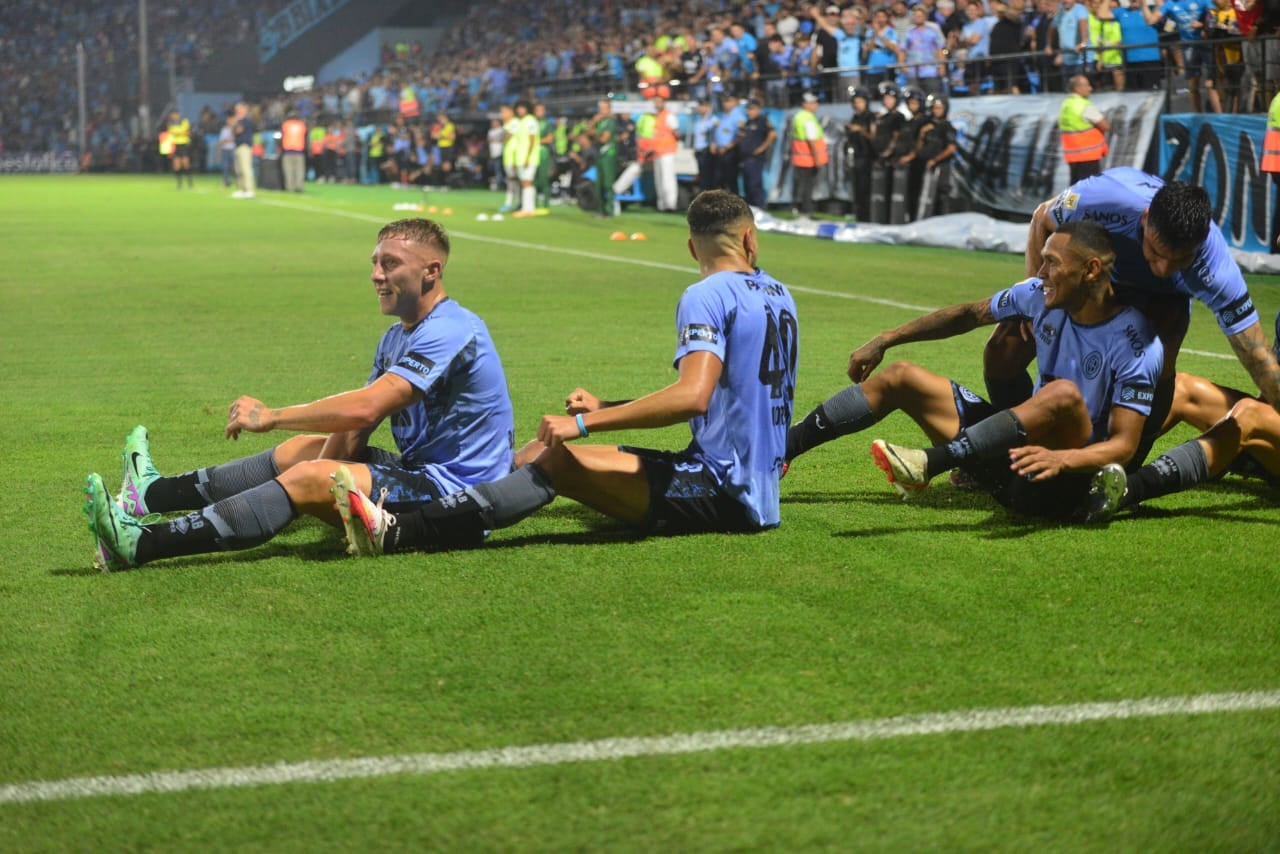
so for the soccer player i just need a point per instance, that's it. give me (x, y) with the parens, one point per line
(436, 374)
(511, 130)
(1239, 434)
(1166, 248)
(1098, 364)
(735, 355)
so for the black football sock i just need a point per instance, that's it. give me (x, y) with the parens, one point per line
(1161, 403)
(845, 412)
(202, 487)
(239, 522)
(1009, 392)
(460, 520)
(990, 437)
(1178, 468)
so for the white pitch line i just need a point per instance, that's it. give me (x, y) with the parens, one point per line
(598, 256)
(613, 749)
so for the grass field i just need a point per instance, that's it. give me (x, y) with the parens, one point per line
(125, 302)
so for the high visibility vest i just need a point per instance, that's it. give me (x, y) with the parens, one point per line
(562, 139)
(652, 77)
(258, 148)
(376, 145)
(316, 141)
(808, 143)
(664, 138)
(448, 133)
(335, 140)
(293, 135)
(180, 133)
(1081, 141)
(166, 143)
(408, 102)
(1271, 142)
(644, 135)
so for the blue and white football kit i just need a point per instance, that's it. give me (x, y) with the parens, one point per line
(1116, 200)
(1113, 363)
(462, 431)
(727, 479)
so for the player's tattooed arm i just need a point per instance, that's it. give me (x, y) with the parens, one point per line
(1250, 346)
(943, 323)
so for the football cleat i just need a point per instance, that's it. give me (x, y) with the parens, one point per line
(139, 473)
(115, 535)
(905, 467)
(1106, 492)
(366, 523)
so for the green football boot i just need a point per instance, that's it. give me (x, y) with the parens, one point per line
(139, 473)
(115, 535)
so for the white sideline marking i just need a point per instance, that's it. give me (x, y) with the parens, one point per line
(612, 749)
(639, 262)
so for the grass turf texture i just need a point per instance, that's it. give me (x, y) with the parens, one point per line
(123, 301)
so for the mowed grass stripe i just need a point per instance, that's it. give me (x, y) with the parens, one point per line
(613, 749)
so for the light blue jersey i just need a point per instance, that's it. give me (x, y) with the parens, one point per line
(1186, 14)
(726, 129)
(462, 431)
(1116, 200)
(1113, 363)
(748, 320)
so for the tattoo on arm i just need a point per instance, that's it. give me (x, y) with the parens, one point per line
(1251, 349)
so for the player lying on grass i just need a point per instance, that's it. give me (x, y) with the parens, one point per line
(436, 374)
(1239, 434)
(1098, 363)
(1167, 246)
(737, 341)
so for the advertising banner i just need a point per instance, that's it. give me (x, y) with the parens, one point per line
(1222, 153)
(282, 28)
(38, 163)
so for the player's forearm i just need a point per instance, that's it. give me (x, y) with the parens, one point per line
(674, 404)
(339, 413)
(943, 323)
(1250, 346)
(1113, 450)
(1037, 234)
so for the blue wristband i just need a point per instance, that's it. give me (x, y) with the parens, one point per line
(582, 426)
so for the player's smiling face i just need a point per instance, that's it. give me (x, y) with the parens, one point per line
(1063, 273)
(402, 274)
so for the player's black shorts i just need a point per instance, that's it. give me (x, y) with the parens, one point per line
(686, 498)
(1057, 498)
(181, 150)
(405, 487)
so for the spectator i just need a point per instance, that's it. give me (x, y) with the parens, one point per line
(925, 43)
(1143, 69)
(1072, 28)
(881, 50)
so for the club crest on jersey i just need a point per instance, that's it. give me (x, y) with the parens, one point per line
(1092, 365)
(699, 332)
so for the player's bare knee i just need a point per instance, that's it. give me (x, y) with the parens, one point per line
(308, 482)
(1247, 414)
(559, 464)
(1062, 397)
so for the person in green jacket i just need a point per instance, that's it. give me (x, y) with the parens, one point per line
(604, 130)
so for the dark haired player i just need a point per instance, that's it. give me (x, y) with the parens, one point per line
(1167, 248)
(1098, 364)
(737, 343)
(436, 375)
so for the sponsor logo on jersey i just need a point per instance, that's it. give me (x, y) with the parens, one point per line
(1136, 342)
(1106, 218)
(699, 332)
(1140, 394)
(416, 362)
(1006, 297)
(1047, 333)
(1238, 310)
(1093, 365)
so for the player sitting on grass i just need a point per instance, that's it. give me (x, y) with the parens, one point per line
(1098, 364)
(1239, 434)
(436, 374)
(736, 357)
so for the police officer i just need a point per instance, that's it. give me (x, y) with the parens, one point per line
(724, 142)
(860, 153)
(936, 150)
(755, 139)
(904, 153)
(704, 126)
(890, 124)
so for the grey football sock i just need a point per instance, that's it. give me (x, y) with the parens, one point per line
(512, 498)
(223, 481)
(1178, 468)
(252, 517)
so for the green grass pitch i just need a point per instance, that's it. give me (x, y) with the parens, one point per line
(123, 301)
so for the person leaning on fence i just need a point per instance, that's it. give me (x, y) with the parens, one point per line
(1082, 126)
